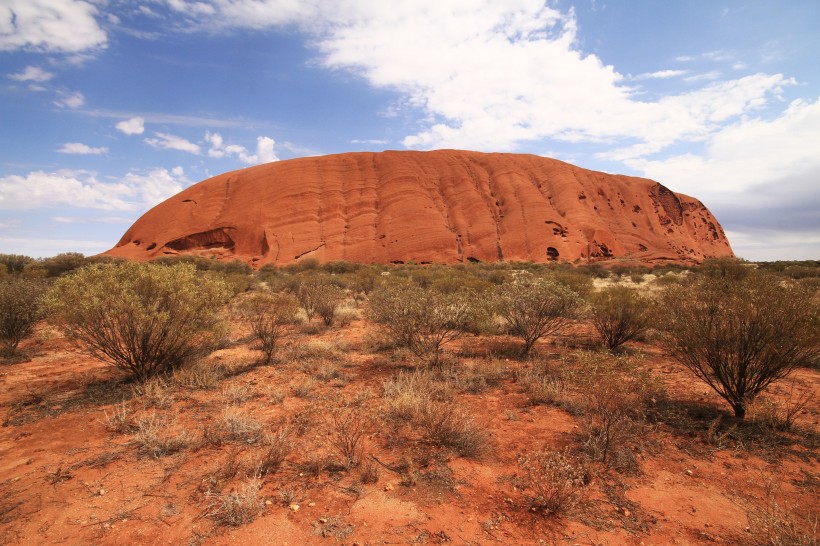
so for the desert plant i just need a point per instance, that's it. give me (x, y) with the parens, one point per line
(424, 320)
(619, 315)
(20, 309)
(741, 333)
(317, 295)
(237, 507)
(555, 480)
(776, 522)
(448, 425)
(140, 318)
(347, 429)
(276, 446)
(154, 436)
(536, 308)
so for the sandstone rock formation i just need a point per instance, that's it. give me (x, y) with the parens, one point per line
(443, 206)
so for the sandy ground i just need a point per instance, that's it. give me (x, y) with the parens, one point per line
(67, 476)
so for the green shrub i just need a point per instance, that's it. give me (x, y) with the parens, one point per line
(268, 315)
(619, 315)
(20, 310)
(424, 320)
(317, 295)
(536, 308)
(63, 263)
(741, 332)
(141, 318)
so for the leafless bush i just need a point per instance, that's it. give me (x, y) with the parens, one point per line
(317, 295)
(348, 427)
(740, 335)
(555, 481)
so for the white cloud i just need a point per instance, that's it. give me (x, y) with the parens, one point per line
(493, 74)
(32, 74)
(745, 155)
(166, 141)
(133, 126)
(369, 141)
(265, 149)
(661, 75)
(83, 189)
(51, 246)
(67, 26)
(81, 149)
(71, 100)
(91, 219)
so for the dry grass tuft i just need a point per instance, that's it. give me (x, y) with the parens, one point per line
(237, 507)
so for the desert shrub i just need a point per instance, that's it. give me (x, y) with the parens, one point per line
(776, 522)
(237, 507)
(269, 315)
(20, 309)
(619, 315)
(348, 425)
(740, 334)
(555, 481)
(541, 386)
(16, 263)
(63, 263)
(317, 295)
(449, 425)
(155, 436)
(276, 447)
(536, 308)
(140, 318)
(424, 320)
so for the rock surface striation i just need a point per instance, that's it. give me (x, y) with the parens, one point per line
(444, 206)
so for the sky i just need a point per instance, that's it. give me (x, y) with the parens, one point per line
(108, 107)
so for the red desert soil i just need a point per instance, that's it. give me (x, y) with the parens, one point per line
(444, 206)
(69, 478)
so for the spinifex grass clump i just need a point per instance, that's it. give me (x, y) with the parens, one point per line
(619, 315)
(141, 318)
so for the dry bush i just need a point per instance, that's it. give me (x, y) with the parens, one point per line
(555, 480)
(345, 316)
(424, 320)
(475, 377)
(155, 436)
(237, 393)
(120, 420)
(406, 392)
(269, 316)
(781, 415)
(318, 295)
(237, 507)
(276, 447)
(154, 392)
(369, 472)
(20, 309)
(739, 333)
(235, 425)
(541, 385)
(199, 376)
(141, 318)
(448, 425)
(348, 426)
(619, 315)
(775, 522)
(535, 308)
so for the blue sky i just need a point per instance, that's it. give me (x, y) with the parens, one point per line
(107, 107)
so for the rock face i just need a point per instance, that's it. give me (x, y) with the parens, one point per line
(443, 206)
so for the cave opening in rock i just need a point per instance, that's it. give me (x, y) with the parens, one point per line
(552, 253)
